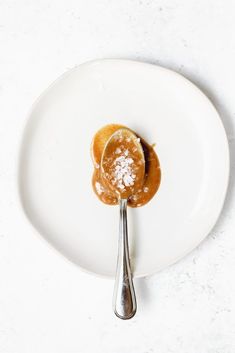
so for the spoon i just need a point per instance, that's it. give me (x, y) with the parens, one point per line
(123, 170)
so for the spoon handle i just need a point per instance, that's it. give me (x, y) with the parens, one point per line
(124, 300)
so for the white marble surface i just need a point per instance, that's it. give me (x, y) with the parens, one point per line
(46, 303)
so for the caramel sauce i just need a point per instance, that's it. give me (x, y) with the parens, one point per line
(123, 163)
(144, 189)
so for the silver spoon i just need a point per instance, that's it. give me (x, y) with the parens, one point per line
(124, 299)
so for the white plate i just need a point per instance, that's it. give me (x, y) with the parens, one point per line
(55, 167)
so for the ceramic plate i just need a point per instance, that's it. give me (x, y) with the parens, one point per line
(55, 166)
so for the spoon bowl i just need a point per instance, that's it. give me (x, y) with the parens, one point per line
(123, 163)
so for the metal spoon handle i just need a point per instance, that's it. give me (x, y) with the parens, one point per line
(124, 300)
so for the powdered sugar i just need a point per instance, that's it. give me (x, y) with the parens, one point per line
(99, 188)
(123, 172)
(118, 150)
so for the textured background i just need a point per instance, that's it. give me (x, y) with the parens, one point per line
(46, 303)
